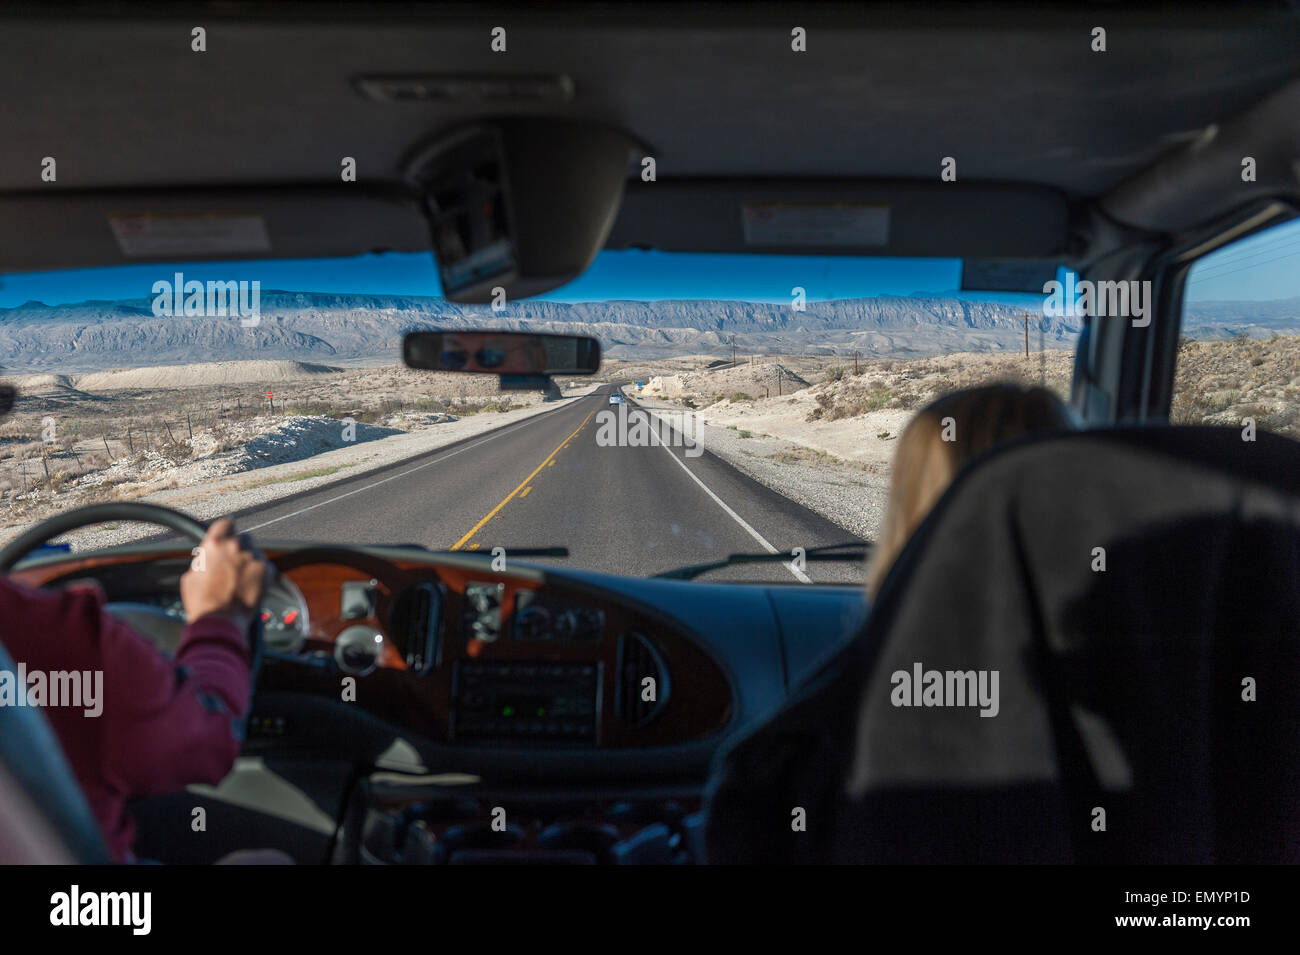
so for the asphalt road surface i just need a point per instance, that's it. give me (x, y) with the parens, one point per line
(624, 508)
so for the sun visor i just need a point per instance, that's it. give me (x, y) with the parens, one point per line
(65, 230)
(950, 220)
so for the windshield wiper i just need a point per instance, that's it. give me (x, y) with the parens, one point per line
(847, 550)
(529, 552)
(510, 551)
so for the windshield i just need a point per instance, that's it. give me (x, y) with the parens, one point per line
(746, 404)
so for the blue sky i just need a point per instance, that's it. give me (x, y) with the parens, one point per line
(614, 275)
(754, 278)
(1263, 267)
(398, 274)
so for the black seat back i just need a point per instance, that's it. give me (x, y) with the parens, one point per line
(1146, 712)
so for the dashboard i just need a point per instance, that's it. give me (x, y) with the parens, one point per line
(474, 667)
(589, 707)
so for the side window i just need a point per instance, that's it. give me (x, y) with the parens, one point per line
(1239, 350)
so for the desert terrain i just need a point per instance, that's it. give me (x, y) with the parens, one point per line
(148, 433)
(215, 437)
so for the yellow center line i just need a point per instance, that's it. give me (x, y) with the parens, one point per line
(550, 459)
(527, 490)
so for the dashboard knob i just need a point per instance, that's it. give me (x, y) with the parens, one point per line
(580, 623)
(533, 623)
(357, 649)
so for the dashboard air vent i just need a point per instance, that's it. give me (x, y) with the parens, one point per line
(415, 626)
(642, 689)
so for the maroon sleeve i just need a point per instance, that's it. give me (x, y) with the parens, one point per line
(172, 723)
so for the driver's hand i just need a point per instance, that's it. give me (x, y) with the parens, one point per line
(224, 578)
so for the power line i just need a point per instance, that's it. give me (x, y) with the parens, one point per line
(1224, 266)
(1217, 275)
(1217, 260)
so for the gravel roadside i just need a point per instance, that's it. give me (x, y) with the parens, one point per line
(852, 494)
(232, 493)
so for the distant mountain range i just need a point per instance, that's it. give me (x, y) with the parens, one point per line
(355, 329)
(1257, 319)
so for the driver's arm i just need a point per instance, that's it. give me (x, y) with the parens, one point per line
(169, 723)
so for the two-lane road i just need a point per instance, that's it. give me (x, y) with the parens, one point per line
(547, 481)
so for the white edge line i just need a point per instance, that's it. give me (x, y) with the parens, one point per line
(799, 574)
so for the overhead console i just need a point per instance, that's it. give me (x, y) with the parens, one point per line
(518, 204)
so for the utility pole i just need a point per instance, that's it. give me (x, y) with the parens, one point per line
(733, 351)
(855, 363)
(1026, 314)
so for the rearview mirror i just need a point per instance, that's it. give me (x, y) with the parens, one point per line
(502, 353)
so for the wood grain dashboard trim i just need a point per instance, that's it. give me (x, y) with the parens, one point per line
(700, 700)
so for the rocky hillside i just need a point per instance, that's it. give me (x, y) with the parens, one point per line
(333, 329)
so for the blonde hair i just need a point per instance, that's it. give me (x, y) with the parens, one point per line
(944, 436)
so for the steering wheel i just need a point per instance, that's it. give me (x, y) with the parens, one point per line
(47, 530)
(182, 524)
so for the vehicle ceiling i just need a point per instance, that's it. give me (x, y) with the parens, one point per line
(1014, 93)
